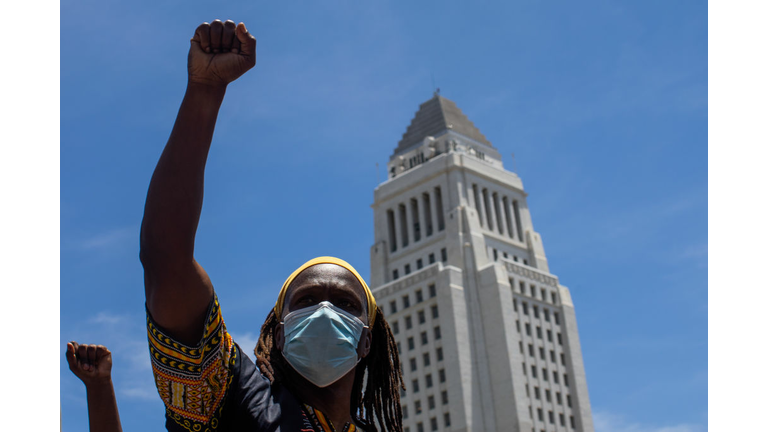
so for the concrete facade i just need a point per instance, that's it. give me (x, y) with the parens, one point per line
(487, 336)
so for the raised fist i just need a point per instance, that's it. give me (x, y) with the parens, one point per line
(91, 363)
(220, 53)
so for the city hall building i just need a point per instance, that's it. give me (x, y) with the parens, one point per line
(487, 335)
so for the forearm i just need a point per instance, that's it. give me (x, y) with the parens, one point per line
(103, 415)
(175, 195)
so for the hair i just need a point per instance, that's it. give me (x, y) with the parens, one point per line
(380, 397)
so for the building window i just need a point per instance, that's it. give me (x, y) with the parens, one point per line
(522, 287)
(555, 377)
(573, 423)
(549, 335)
(533, 371)
(541, 354)
(426, 359)
(543, 295)
(403, 225)
(417, 406)
(525, 261)
(439, 206)
(434, 311)
(395, 274)
(562, 419)
(565, 379)
(525, 308)
(544, 374)
(517, 324)
(538, 332)
(495, 255)
(443, 255)
(520, 344)
(514, 258)
(419, 263)
(527, 329)
(396, 327)
(408, 322)
(422, 317)
(535, 311)
(568, 400)
(411, 345)
(413, 365)
(391, 228)
(432, 291)
(441, 375)
(536, 393)
(554, 298)
(527, 390)
(405, 411)
(419, 426)
(530, 350)
(559, 339)
(439, 354)
(407, 269)
(419, 296)
(546, 314)
(406, 301)
(437, 333)
(428, 379)
(551, 417)
(557, 318)
(447, 419)
(552, 356)
(433, 423)
(444, 397)
(558, 398)
(514, 304)
(431, 258)
(393, 306)
(548, 395)
(533, 291)
(424, 340)
(562, 359)
(400, 350)
(431, 402)
(415, 386)
(540, 414)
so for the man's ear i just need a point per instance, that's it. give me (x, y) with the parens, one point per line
(364, 346)
(279, 337)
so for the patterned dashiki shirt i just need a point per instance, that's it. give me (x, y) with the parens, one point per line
(214, 387)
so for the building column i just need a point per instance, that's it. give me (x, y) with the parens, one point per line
(398, 227)
(433, 204)
(422, 217)
(497, 212)
(409, 220)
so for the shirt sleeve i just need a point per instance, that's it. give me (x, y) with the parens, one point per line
(193, 381)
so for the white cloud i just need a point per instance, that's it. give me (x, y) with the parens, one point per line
(111, 238)
(609, 422)
(247, 342)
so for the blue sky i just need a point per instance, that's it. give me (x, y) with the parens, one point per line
(604, 106)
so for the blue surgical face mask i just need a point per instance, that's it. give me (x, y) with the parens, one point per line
(321, 342)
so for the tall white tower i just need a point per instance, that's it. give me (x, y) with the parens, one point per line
(487, 336)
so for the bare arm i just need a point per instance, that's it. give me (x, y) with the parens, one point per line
(93, 365)
(177, 288)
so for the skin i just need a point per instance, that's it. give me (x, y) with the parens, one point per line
(177, 288)
(335, 284)
(93, 365)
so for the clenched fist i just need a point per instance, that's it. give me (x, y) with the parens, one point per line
(91, 363)
(220, 53)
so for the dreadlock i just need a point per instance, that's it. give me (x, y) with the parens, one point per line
(380, 371)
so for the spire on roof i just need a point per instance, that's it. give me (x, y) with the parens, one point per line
(435, 117)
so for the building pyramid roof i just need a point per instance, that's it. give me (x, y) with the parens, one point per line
(436, 116)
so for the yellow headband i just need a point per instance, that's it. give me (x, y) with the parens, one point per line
(327, 260)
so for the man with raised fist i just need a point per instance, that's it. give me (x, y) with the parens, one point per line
(326, 355)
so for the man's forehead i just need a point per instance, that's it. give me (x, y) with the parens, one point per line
(327, 275)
